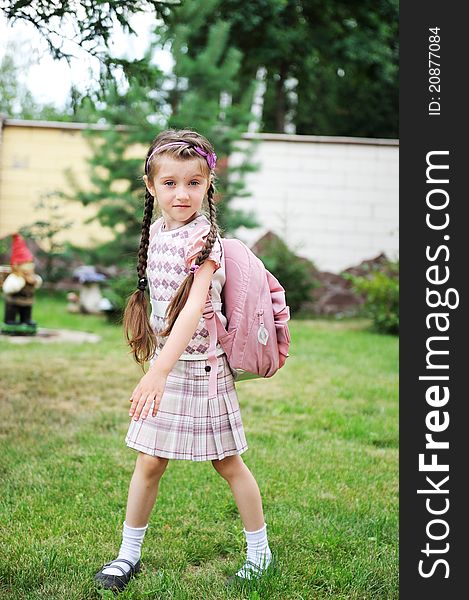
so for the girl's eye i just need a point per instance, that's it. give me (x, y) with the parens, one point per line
(195, 183)
(169, 183)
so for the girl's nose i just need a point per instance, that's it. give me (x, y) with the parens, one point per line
(182, 193)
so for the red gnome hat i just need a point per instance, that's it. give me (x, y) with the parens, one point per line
(19, 251)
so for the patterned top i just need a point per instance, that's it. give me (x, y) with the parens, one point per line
(170, 255)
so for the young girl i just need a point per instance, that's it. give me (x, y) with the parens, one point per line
(181, 260)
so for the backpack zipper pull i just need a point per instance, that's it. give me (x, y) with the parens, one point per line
(262, 333)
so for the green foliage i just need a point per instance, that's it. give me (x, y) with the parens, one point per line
(16, 100)
(118, 290)
(291, 271)
(117, 188)
(90, 22)
(204, 81)
(5, 246)
(331, 68)
(341, 58)
(56, 255)
(137, 111)
(381, 291)
(350, 75)
(14, 96)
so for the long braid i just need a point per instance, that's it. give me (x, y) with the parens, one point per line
(212, 234)
(180, 298)
(137, 329)
(144, 240)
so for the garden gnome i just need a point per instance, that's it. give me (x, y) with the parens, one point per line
(19, 288)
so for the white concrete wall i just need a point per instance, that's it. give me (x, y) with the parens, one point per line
(333, 200)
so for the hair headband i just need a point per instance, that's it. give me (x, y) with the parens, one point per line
(210, 157)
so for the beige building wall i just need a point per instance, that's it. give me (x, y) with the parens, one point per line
(333, 200)
(34, 159)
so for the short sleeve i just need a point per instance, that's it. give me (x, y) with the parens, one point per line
(196, 242)
(154, 228)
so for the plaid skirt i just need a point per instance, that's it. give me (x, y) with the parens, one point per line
(188, 425)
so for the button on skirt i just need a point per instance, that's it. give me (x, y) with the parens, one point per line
(188, 425)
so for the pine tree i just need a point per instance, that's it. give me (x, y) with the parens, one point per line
(128, 111)
(147, 101)
(203, 84)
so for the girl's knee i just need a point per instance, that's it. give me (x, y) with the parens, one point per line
(229, 466)
(152, 465)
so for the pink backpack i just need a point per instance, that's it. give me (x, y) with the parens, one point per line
(257, 339)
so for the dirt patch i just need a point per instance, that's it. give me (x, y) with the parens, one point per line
(47, 336)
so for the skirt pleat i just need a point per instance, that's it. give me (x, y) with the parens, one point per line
(189, 425)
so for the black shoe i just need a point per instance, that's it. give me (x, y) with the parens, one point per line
(116, 583)
(256, 573)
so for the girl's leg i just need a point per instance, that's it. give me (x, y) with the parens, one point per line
(245, 490)
(143, 490)
(248, 499)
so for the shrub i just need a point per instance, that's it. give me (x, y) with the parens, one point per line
(380, 289)
(55, 256)
(292, 271)
(117, 291)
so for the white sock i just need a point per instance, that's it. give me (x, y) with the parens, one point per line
(132, 539)
(258, 553)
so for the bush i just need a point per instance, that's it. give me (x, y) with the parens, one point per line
(292, 272)
(56, 257)
(117, 291)
(380, 289)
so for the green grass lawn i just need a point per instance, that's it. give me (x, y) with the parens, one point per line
(323, 446)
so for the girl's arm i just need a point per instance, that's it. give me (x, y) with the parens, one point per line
(152, 384)
(187, 320)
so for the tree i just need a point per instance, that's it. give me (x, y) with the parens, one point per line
(331, 68)
(17, 101)
(92, 20)
(131, 114)
(149, 101)
(45, 232)
(204, 80)
(351, 78)
(15, 98)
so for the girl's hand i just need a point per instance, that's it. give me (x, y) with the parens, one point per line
(150, 387)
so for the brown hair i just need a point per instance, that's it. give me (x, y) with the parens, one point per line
(137, 329)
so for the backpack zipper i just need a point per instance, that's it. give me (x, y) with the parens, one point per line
(262, 333)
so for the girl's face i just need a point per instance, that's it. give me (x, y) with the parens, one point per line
(179, 187)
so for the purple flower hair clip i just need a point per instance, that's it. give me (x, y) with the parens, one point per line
(194, 268)
(210, 157)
